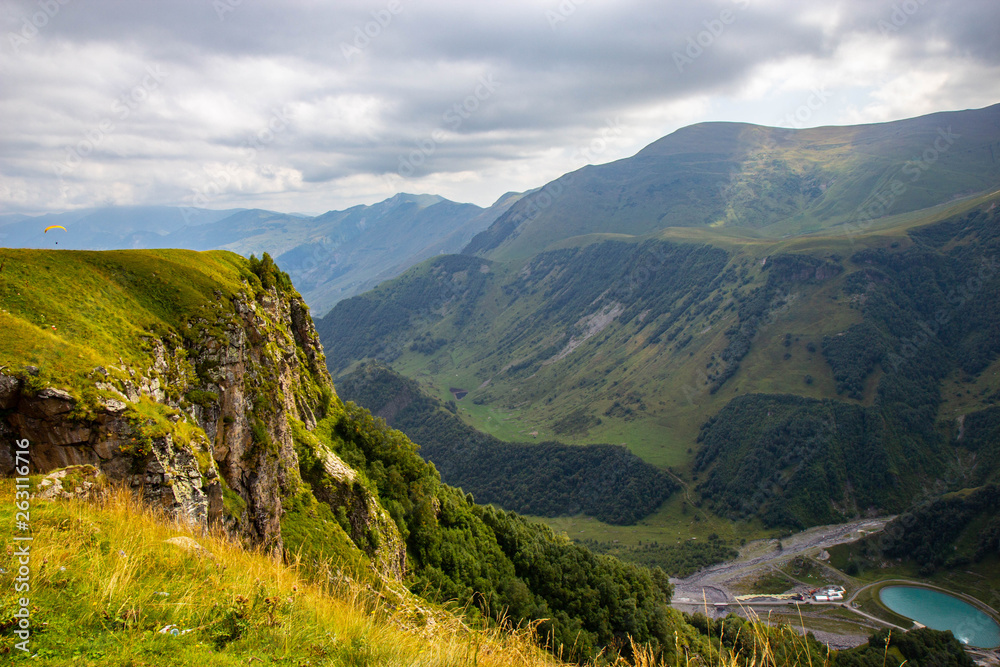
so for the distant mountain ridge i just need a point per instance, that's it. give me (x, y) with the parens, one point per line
(801, 367)
(761, 181)
(330, 256)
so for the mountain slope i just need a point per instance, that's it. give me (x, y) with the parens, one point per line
(761, 181)
(197, 381)
(672, 347)
(331, 256)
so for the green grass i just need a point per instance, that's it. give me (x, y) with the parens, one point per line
(806, 569)
(962, 394)
(771, 582)
(868, 601)
(70, 311)
(672, 524)
(104, 582)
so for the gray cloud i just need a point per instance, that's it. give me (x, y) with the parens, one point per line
(311, 105)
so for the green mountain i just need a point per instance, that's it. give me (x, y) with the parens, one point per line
(181, 438)
(342, 253)
(761, 182)
(788, 381)
(196, 380)
(329, 256)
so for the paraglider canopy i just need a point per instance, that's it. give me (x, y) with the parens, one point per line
(53, 227)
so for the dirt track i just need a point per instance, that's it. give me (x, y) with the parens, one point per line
(713, 584)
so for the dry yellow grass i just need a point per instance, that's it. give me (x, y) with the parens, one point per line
(105, 581)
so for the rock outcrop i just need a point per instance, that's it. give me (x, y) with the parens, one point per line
(372, 529)
(61, 435)
(81, 482)
(202, 429)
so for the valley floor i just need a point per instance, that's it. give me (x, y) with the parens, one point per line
(760, 583)
(715, 584)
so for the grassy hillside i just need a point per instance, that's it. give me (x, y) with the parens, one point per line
(112, 309)
(766, 182)
(646, 341)
(105, 582)
(69, 311)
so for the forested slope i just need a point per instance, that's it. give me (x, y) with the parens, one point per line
(930, 310)
(550, 479)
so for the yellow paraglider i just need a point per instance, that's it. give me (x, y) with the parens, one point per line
(53, 227)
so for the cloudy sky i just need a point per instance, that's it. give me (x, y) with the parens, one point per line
(317, 105)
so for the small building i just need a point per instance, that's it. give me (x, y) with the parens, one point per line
(829, 594)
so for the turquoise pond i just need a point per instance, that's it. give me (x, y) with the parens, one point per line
(941, 611)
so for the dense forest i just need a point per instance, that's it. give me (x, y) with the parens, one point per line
(493, 562)
(791, 460)
(607, 482)
(979, 433)
(948, 532)
(928, 310)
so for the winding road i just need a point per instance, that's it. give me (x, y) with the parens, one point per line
(713, 585)
(710, 591)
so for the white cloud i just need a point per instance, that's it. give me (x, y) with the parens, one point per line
(263, 109)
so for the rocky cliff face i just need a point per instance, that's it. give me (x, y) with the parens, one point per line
(204, 429)
(61, 435)
(371, 527)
